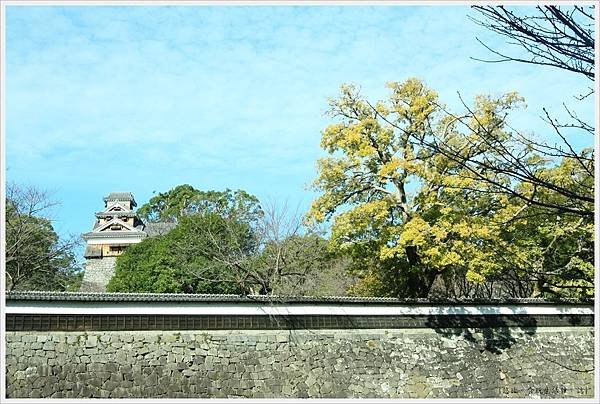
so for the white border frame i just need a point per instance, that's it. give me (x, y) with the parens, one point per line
(283, 3)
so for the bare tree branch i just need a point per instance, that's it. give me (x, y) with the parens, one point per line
(36, 258)
(552, 36)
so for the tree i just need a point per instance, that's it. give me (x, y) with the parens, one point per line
(185, 200)
(36, 258)
(281, 256)
(541, 193)
(564, 38)
(314, 270)
(224, 242)
(369, 173)
(550, 36)
(475, 194)
(170, 263)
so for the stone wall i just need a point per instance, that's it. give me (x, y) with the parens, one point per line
(515, 362)
(98, 271)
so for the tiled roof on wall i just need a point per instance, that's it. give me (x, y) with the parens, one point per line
(180, 297)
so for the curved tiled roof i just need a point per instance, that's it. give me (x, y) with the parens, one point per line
(120, 196)
(218, 298)
(115, 234)
(106, 214)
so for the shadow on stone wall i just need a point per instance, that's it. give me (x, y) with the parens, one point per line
(492, 333)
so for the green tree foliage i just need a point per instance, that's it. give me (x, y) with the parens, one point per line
(225, 242)
(416, 192)
(181, 261)
(185, 200)
(36, 258)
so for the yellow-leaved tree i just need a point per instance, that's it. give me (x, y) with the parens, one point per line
(419, 196)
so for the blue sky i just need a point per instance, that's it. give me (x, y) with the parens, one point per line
(142, 99)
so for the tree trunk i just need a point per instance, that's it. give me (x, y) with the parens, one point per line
(419, 279)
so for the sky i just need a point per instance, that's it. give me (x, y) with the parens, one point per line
(142, 99)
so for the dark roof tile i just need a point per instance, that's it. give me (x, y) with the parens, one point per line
(120, 196)
(177, 297)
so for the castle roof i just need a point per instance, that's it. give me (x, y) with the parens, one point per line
(114, 234)
(120, 196)
(115, 226)
(119, 213)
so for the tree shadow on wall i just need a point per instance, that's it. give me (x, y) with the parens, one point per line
(492, 332)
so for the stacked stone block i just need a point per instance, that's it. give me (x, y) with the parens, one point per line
(98, 272)
(417, 363)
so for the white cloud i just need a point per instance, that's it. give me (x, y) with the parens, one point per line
(145, 98)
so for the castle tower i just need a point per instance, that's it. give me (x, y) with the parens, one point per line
(116, 228)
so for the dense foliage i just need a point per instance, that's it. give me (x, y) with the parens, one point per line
(180, 261)
(416, 192)
(185, 200)
(225, 243)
